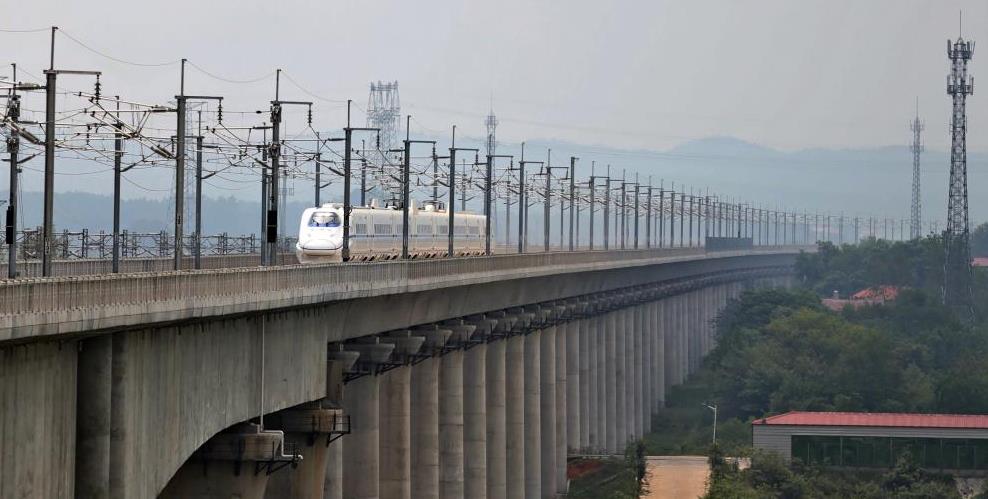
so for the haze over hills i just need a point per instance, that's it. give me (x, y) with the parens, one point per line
(858, 181)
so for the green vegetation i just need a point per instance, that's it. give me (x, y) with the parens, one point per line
(611, 478)
(781, 351)
(768, 476)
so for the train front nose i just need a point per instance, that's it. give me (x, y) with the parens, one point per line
(320, 243)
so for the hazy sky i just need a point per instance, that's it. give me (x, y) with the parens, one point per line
(650, 74)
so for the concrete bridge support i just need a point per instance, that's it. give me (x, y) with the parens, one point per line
(235, 463)
(562, 399)
(532, 426)
(310, 429)
(361, 448)
(515, 401)
(496, 445)
(475, 421)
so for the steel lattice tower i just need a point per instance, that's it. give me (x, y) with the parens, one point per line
(491, 123)
(957, 250)
(916, 209)
(384, 112)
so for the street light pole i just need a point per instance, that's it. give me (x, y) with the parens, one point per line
(713, 408)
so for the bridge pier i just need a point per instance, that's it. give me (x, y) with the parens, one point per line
(311, 429)
(496, 408)
(475, 416)
(547, 409)
(563, 336)
(425, 416)
(532, 426)
(515, 402)
(235, 463)
(451, 416)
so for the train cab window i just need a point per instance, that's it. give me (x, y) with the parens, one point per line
(324, 219)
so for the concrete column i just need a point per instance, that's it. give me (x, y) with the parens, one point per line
(475, 421)
(514, 409)
(451, 425)
(658, 354)
(639, 364)
(547, 407)
(361, 472)
(585, 370)
(574, 413)
(533, 420)
(601, 380)
(611, 390)
(669, 340)
(333, 486)
(224, 467)
(310, 427)
(495, 406)
(622, 376)
(425, 428)
(93, 387)
(629, 376)
(563, 414)
(395, 434)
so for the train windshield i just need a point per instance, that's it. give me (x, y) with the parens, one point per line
(324, 219)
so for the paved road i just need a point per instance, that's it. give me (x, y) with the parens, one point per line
(677, 477)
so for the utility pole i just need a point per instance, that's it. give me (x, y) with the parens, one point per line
(957, 268)
(607, 208)
(593, 196)
(13, 147)
(347, 157)
(450, 209)
(406, 201)
(648, 215)
(637, 187)
(489, 207)
(672, 215)
(547, 198)
(51, 77)
(662, 215)
(180, 136)
(572, 197)
(318, 182)
(916, 207)
(272, 229)
(197, 256)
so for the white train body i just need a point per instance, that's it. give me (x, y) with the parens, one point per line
(375, 233)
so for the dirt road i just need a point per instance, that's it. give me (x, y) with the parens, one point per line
(677, 477)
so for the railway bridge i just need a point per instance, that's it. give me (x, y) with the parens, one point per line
(453, 378)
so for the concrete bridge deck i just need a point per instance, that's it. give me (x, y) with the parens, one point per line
(131, 385)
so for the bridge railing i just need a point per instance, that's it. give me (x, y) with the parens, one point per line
(60, 294)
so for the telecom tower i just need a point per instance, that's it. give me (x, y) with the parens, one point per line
(957, 250)
(384, 112)
(916, 209)
(491, 123)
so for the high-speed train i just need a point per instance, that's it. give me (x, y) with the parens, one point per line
(375, 232)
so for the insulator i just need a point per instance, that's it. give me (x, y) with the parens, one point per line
(219, 113)
(97, 88)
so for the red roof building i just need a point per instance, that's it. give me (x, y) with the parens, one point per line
(876, 295)
(955, 443)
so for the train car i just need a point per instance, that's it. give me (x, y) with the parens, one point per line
(375, 232)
